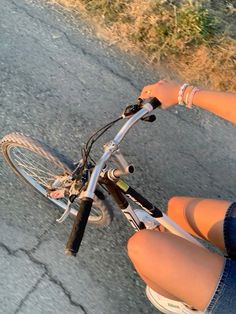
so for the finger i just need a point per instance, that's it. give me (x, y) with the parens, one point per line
(147, 91)
(146, 94)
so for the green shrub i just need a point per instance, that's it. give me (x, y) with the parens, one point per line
(170, 28)
(196, 25)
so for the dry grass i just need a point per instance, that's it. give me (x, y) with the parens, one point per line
(189, 38)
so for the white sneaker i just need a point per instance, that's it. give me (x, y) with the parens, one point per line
(169, 306)
(149, 221)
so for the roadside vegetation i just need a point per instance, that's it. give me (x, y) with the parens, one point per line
(192, 40)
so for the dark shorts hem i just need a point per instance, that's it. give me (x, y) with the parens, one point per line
(229, 230)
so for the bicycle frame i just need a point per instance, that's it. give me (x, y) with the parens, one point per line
(119, 188)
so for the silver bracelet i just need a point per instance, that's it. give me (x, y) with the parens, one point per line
(181, 93)
(190, 100)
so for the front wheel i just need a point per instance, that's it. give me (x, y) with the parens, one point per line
(39, 166)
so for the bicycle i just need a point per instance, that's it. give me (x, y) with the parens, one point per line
(77, 187)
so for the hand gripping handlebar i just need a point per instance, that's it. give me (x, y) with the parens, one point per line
(77, 232)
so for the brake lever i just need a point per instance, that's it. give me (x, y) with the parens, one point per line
(150, 118)
(131, 110)
(66, 213)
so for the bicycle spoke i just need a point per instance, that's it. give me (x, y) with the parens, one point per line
(30, 171)
(34, 175)
(35, 163)
(33, 170)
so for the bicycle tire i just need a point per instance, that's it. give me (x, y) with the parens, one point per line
(17, 140)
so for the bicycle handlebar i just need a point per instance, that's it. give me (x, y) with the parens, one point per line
(77, 232)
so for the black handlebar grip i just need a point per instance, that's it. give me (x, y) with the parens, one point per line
(77, 232)
(153, 101)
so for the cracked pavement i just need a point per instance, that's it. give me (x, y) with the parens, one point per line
(58, 83)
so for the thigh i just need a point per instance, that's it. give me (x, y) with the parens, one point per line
(203, 218)
(184, 270)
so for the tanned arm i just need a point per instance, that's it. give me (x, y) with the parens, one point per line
(222, 104)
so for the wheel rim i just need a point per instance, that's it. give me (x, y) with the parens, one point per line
(38, 174)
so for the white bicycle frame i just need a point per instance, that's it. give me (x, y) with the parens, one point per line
(111, 149)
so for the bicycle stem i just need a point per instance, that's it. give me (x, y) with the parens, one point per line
(112, 146)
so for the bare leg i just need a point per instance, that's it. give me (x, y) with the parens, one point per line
(201, 217)
(182, 269)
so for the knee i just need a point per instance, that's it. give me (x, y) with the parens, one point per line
(137, 243)
(173, 205)
(143, 243)
(148, 245)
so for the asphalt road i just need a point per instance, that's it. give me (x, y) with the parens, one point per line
(58, 83)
